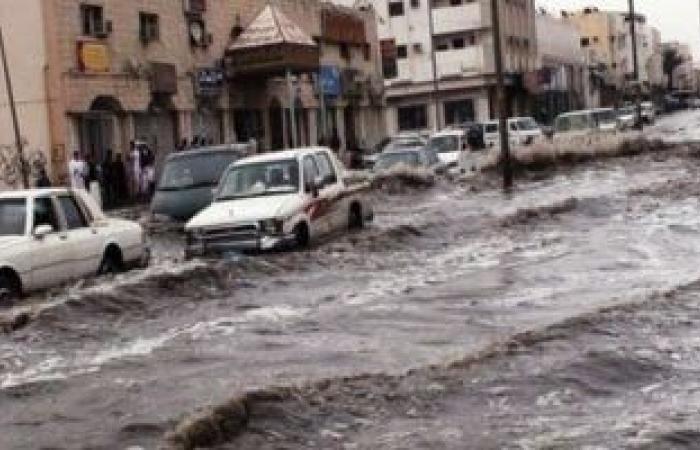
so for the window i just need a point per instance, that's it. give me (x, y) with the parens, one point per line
(585, 42)
(325, 168)
(401, 52)
(74, 216)
(459, 112)
(442, 47)
(458, 43)
(389, 69)
(12, 217)
(44, 213)
(413, 117)
(310, 173)
(92, 19)
(415, 4)
(395, 9)
(149, 27)
(345, 51)
(367, 52)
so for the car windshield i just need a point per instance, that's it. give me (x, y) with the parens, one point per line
(444, 144)
(627, 111)
(528, 124)
(13, 216)
(389, 160)
(403, 143)
(200, 170)
(604, 117)
(573, 122)
(259, 179)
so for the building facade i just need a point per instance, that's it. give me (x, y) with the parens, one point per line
(607, 42)
(563, 80)
(103, 73)
(438, 60)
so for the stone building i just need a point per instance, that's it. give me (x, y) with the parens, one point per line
(94, 75)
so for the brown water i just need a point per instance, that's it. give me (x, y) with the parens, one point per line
(442, 274)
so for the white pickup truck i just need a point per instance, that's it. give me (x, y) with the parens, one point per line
(49, 236)
(275, 200)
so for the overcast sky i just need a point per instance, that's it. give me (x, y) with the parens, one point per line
(678, 20)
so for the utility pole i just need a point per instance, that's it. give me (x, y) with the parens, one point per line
(433, 55)
(635, 60)
(13, 111)
(501, 98)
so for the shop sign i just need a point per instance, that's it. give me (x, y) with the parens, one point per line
(343, 28)
(331, 84)
(93, 57)
(209, 81)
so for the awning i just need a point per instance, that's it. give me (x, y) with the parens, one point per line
(272, 44)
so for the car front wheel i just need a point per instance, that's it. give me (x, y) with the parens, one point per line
(112, 262)
(10, 289)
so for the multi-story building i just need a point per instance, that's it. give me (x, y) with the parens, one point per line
(94, 75)
(438, 59)
(607, 40)
(683, 78)
(562, 81)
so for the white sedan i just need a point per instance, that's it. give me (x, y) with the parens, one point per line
(50, 236)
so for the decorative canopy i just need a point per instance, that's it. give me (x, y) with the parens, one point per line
(272, 43)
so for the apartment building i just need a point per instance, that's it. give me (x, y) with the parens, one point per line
(438, 59)
(562, 80)
(607, 40)
(684, 78)
(93, 75)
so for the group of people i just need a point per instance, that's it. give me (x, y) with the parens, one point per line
(114, 181)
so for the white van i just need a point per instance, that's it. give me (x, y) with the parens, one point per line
(448, 144)
(586, 121)
(521, 131)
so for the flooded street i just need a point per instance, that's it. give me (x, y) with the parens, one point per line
(562, 315)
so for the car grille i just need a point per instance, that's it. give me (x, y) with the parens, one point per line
(231, 234)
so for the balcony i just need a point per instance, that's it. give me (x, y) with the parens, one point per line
(460, 62)
(457, 19)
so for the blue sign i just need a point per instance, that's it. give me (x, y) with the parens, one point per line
(209, 81)
(331, 85)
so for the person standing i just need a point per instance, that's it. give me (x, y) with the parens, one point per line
(77, 171)
(135, 169)
(120, 180)
(108, 187)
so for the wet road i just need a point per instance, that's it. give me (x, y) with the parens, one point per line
(443, 273)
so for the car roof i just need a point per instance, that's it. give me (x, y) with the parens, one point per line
(33, 192)
(415, 149)
(233, 148)
(281, 155)
(448, 133)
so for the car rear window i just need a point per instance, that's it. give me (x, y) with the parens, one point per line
(13, 217)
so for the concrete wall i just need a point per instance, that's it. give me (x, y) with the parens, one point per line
(21, 22)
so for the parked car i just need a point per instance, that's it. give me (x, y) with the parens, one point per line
(521, 131)
(402, 140)
(626, 117)
(672, 103)
(188, 177)
(412, 157)
(275, 200)
(648, 112)
(586, 121)
(448, 144)
(50, 236)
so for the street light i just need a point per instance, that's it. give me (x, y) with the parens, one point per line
(501, 98)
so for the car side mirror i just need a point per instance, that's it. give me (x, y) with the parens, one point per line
(41, 231)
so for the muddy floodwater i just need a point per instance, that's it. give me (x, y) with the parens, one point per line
(581, 288)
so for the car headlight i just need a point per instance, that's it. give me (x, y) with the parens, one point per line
(271, 226)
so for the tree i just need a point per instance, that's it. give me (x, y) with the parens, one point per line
(671, 61)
